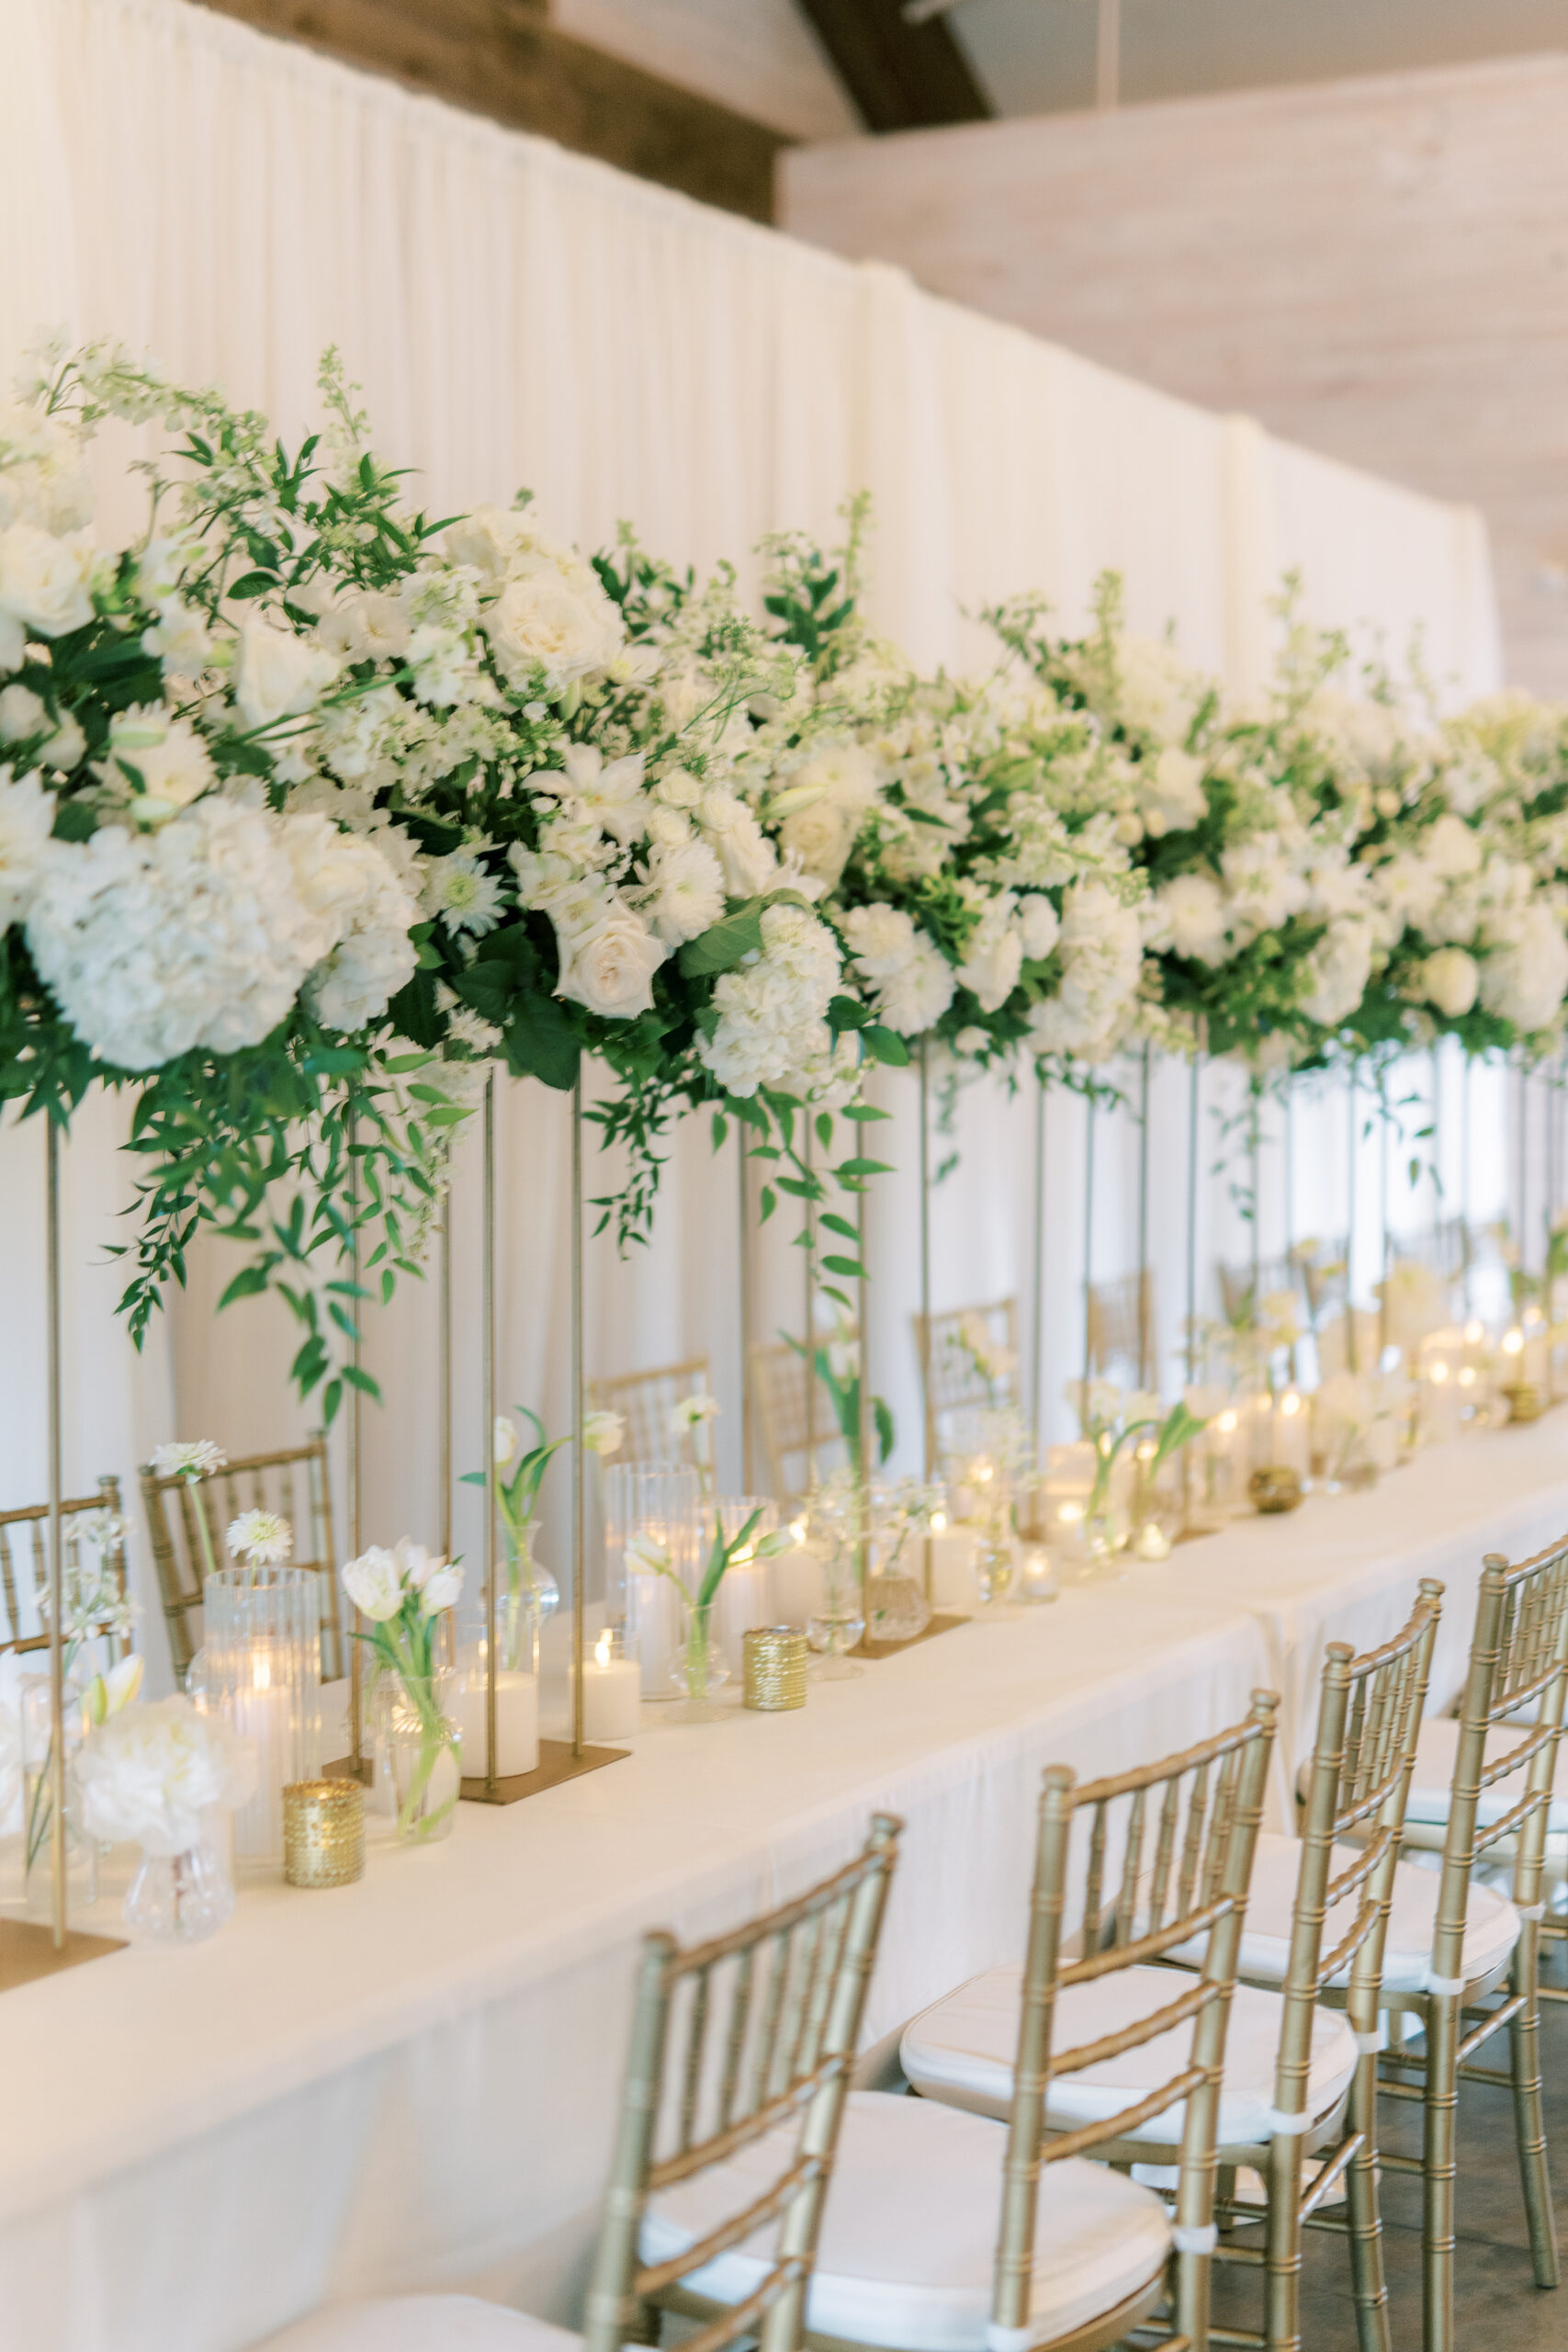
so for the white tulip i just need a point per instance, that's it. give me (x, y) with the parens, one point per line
(604, 1434)
(374, 1583)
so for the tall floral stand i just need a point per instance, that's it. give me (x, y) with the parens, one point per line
(560, 1759)
(29, 1949)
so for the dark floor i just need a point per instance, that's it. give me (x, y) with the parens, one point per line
(1497, 2306)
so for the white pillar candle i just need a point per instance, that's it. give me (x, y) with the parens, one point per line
(516, 1722)
(611, 1692)
(1291, 1433)
(744, 1598)
(656, 1619)
(797, 1585)
(953, 1564)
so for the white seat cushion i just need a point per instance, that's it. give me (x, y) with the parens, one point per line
(909, 2233)
(1491, 1922)
(1434, 1753)
(962, 2048)
(421, 2323)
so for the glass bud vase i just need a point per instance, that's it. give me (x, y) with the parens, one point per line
(38, 1805)
(530, 1594)
(423, 1745)
(179, 1898)
(700, 1668)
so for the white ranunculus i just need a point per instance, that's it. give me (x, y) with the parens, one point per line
(375, 1584)
(609, 966)
(192, 935)
(994, 957)
(1449, 979)
(545, 622)
(915, 999)
(881, 939)
(27, 819)
(276, 673)
(1039, 925)
(685, 890)
(149, 1773)
(46, 583)
(1192, 910)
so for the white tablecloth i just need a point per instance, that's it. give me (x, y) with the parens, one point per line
(412, 2083)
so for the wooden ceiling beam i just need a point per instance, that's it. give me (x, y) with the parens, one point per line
(901, 76)
(502, 58)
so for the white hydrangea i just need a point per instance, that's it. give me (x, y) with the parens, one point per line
(192, 935)
(1192, 917)
(773, 1003)
(1337, 972)
(1525, 980)
(914, 982)
(26, 817)
(1101, 950)
(366, 913)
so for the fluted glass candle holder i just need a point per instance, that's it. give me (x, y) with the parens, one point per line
(263, 1671)
(658, 1506)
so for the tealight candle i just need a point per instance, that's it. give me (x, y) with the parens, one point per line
(516, 1720)
(611, 1688)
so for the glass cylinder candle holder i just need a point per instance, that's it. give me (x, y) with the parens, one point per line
(262, 1652)
(652, 1506)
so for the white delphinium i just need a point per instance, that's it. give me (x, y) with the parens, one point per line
(770, 1000)
(27, 819)
(149, 1773)
(192, 935)
(1155, 694)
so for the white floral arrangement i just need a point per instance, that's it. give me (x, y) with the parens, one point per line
(149, 1771)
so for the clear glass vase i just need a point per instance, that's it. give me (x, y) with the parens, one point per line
(529, 1596)
(700, 1670)
(38, 1805)
(179, 1898)
(423, 1748)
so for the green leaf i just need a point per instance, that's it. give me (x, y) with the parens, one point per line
(541, 1042)
(254, 583)
(886, 1044)
(247, 1283)
(863, 1168)
(721, 948)
(850, 1268)
(838, 1224)
(864, 1110)
(847, 1012)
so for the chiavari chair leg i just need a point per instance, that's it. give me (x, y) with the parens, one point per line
(1369, 2284)
(1439, 2109)
(1524, 2049)
(1283, 2256)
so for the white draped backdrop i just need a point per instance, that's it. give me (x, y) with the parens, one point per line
(517, 314)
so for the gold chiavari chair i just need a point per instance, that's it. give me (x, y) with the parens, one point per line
(1243, 1287)
(1484, 1792)
(1333, 1915)
(801, 1438)
(24, 1564)
(1324, 1268)
(645, 1401)
(1122, 1334)
(973, 1361)
(296, 1483)
(751, 2113)
(919, 2250)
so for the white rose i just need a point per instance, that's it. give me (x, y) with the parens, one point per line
(278, 674)
(1449, 979)
(47, 583)
(23, 713)
(374, 1583)
(543, 622)
(679, 788)
(1453, 848)
(1524, 982)
(1039, 926)
(610, 966)
(1192, 906)
(1337, 973)
(821, 836)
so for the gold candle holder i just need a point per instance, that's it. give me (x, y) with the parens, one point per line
(774, 1658)
(323, 1833)
(1275, 1490)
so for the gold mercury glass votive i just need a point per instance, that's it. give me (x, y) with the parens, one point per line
(776, 1667)
(1275, 1489)
(323, 1833)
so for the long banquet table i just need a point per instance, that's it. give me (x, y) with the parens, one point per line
(412, 2083)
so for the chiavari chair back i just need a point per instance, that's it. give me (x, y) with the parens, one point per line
(1324, 1269)
(296, 1483)
(971, 1358)
(646, 1402)
(802, 1442)
(1242, 1288)
(1122, 1338)
(88, 1522)
(746, 2043)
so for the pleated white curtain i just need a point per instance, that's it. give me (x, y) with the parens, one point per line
(517, 314)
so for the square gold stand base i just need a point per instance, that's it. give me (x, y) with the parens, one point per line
(28, 1951)
(342, 1768)
(864, 1648)
(557, 1763)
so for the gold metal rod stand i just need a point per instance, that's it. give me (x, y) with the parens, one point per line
(56, 1548)
(353, 1435)
(1037, 1314)
(863, 1417)
(487, 1419)
(1143, 1366)
(1290, 1190)
(748, 1307)
(1464, 1174)
(927, 1403)
(1352, 1352)
(445, 1513)
(579, 1422)
(1387, 1235)
(809, 1331)
(1088, 1240)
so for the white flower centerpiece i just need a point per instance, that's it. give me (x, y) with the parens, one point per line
(151, 1773)
(404, 1593)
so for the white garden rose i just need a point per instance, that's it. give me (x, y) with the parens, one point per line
(544, 622)
(821, 836)
(27, 819)
(1451, 980)
(149, 1773)
(192, 935)
(914, 998)
(1193, 910)
(1525, 981)
(1337, 973)
(276, 673)
(46, 583)
(609, 966)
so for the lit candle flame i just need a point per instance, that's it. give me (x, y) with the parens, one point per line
(1289, 1403)
(602, 1650)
